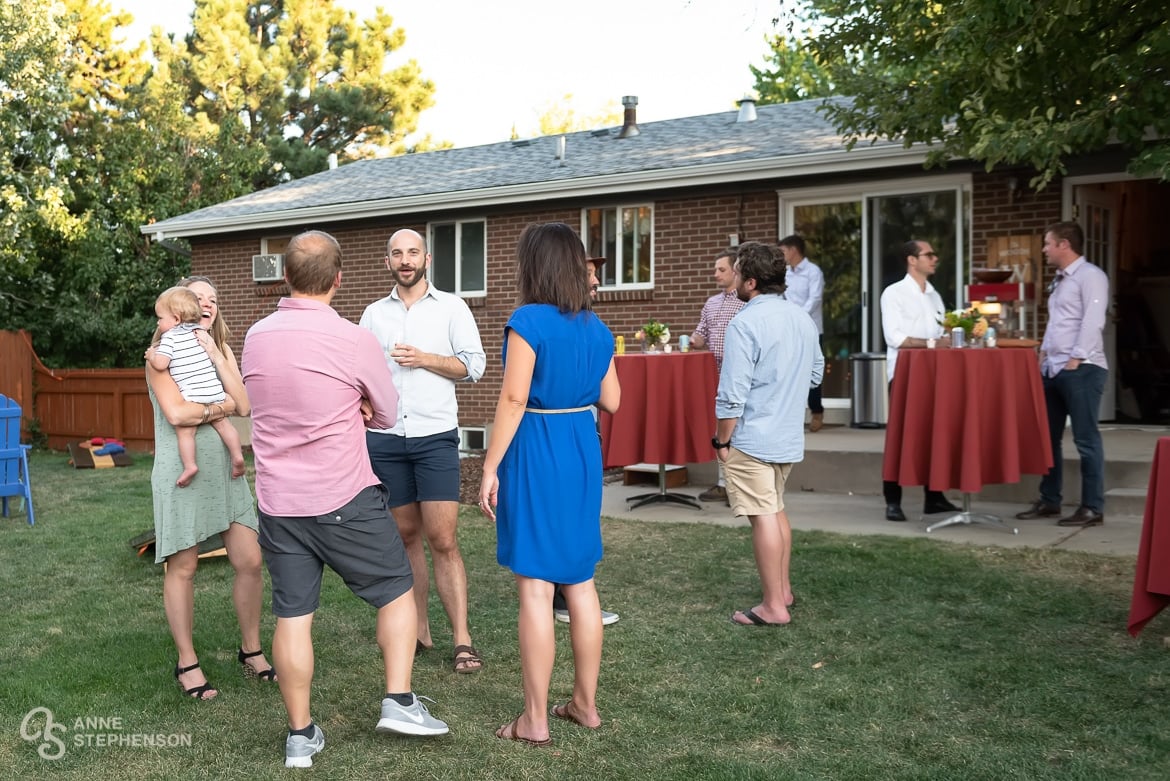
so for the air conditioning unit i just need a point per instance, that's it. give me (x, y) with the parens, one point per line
(267, 268)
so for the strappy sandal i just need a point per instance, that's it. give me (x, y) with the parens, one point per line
(252, 672)
(467, 655)
(195, 692)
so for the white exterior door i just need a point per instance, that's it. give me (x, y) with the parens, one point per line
(1096, 211)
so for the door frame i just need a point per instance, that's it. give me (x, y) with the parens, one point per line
(1072, 196)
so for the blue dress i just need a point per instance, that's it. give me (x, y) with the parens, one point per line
(548, 516)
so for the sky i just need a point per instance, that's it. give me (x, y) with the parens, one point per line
(501, 64)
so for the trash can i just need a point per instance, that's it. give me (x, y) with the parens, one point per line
(869, 391)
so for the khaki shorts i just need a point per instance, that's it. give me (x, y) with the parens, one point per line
(754, 487)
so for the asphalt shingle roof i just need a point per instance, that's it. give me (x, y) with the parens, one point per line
(782, 130)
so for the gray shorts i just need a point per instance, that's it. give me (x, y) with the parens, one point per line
(359, 541)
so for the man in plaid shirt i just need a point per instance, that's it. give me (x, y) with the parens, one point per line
(713, 320)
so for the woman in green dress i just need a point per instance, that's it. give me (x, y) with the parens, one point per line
(214, 502)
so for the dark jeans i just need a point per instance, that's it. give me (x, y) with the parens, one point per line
(814, 394)
(1076, 394)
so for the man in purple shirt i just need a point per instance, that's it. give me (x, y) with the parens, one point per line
(713, 320)
(312, 377)
(1073, 365)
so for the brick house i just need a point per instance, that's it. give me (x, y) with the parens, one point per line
(660, 199)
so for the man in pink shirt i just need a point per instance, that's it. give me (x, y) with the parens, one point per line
(308, 373)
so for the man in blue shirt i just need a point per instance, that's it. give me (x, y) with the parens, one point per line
(1073, 365)
(771, 358)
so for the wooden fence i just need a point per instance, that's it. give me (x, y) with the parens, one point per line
(69, 405)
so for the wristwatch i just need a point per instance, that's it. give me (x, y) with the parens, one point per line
(715, 443)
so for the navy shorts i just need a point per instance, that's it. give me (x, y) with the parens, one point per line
(416, 469)
(359, 541)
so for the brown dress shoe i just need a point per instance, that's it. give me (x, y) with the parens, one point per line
(715, 493)
(1083, 517)
(1039, 509)
(818, 420)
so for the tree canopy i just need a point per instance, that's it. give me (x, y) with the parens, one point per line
(790, 73)
(1019, 82)
(304, 78)
(101, 139)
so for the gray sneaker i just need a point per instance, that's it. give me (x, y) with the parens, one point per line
(299, 750)
(413, 719)
(607, 617)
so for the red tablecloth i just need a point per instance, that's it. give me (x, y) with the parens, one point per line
(966, 418)
(667, 414)
(1151, 582)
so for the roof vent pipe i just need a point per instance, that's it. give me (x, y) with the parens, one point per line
(630, 123)
(332, 160)
(561, 148)
(747, 109)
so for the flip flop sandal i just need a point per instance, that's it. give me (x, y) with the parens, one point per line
(509, 732)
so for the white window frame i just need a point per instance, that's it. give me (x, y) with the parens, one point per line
(614, 266)
(466, 433)
(459, 289)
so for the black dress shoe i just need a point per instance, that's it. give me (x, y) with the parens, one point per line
(1039, 509)
(943, 506)
(894, 513)
(1083, 517)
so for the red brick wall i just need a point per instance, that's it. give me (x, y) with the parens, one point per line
(688, 233)
(998, 210)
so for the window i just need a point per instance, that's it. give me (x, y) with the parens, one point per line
(624, 236)
(472, 440)
(459, 256)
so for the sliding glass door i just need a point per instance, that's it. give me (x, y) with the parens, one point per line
(855, 234)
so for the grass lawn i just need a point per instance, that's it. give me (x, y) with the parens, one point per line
(906, 659)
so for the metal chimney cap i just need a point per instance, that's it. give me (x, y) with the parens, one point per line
(747, 109)
(629, 101)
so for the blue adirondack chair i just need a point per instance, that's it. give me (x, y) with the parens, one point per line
(14, 479)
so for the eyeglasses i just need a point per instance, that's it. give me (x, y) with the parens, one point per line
(927, 255)
(1055, 281)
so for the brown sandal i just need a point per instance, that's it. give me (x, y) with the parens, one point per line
(509, 732)
(565, 713)
(467, 655)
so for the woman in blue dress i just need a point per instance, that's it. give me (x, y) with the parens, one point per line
(542, 470)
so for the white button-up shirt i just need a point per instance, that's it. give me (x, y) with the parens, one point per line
(805, 287)
(909, 311)
(439, 323)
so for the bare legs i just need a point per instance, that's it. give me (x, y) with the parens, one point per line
(538, 649)
(436, 521)
(772, 545)
(247, 589)
(179, 599)
(292, 650)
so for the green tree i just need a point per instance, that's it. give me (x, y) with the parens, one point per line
(790, 72)
(304, 78)
(557, 117)
(33, 194)
(1000, 81)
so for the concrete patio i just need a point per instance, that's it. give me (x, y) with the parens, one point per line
(838, 488)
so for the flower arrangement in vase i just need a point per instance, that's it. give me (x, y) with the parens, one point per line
(652, 335)
(971, 320)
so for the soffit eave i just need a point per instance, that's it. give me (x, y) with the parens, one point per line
(790, 166)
